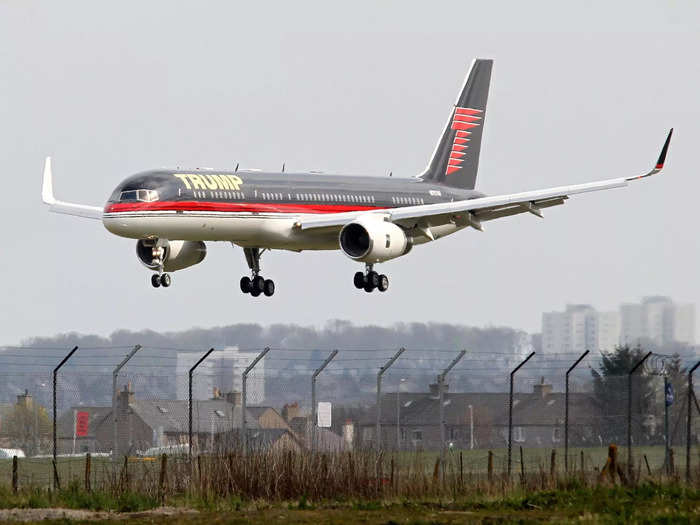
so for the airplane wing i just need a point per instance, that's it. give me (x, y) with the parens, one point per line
(472, 212)
(56, 206)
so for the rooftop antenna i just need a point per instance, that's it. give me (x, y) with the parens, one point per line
(236, 167)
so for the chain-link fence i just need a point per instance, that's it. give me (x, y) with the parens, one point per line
(119, 409)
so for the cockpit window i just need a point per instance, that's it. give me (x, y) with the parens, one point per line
(139, 195)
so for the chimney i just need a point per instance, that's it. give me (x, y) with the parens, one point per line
(435, 389)
(291, 411)
(348, 433)
(25, 400)
(235, 398)
(542, 389)
(125, 397)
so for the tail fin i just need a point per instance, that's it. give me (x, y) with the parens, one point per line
(456, 158)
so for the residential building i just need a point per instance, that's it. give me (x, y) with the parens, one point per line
(146, 423)
(657, 319)
(480, 420)
(579, 328)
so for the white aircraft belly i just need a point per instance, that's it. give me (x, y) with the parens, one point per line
(251, 230)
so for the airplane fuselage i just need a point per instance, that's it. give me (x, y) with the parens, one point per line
(258, 209)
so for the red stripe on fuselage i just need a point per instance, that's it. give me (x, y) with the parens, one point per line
(250, 207)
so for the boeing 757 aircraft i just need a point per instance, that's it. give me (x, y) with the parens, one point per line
(172, 212)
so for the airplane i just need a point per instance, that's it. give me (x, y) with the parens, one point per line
(172, 212)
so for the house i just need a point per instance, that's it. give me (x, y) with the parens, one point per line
(268, 417)
(302, 427)
(479, 420)
(146, 423)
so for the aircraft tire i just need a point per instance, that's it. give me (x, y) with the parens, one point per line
(383, 283)
(269, 287)
(258, 284)
(255, 292)
(246, 284)
(359, 280)
(373, 278)
(155, 280)
(369, 288)
(165, 280)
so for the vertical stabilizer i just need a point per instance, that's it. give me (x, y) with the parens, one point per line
(455, 160)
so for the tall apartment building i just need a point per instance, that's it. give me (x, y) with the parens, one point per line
(658, 319)
(222, 370)
(579, 328)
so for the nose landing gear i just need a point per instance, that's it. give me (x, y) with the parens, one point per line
(159, 279)
(369, 280)
(258, 285)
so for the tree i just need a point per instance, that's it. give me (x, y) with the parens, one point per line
(610, 383)
(27, 428)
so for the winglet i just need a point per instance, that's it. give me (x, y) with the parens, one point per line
(47, 187)
(664, 150)
(56, 206)
(659, 163)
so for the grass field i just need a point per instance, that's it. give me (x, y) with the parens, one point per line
(647, 503)
(366, 487)
(39, 472)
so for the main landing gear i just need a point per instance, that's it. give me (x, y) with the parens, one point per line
(369, 280)
(256, 285)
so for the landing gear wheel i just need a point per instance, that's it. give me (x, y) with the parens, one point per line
(258, 285)
(373, 278)
(359, 280)
(165, 280)
(383, 283)
(269, 287)
(246, 284)
(155, 280)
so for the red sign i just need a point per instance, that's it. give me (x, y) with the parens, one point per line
(82, 420)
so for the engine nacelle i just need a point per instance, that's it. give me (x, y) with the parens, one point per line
(175, 255)
(374, 240)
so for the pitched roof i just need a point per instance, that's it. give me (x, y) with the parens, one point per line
(167, 415)
(258, 411)
(172, 415)
(486, 408)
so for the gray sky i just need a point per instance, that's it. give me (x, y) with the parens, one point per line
(579, 92)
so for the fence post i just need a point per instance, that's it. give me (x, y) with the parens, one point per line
(441, 392)
(566, 412)
(163, 477)
(691, 396)
(14, 473)
(114, 398)
(510, 412)
(244, 382)
(189, 402)
(629, 412)
(379, 394)
(87, 471)
(55, 373)
(314, 422)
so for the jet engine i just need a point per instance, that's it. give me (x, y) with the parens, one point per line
(173, 255)
(374, 240)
